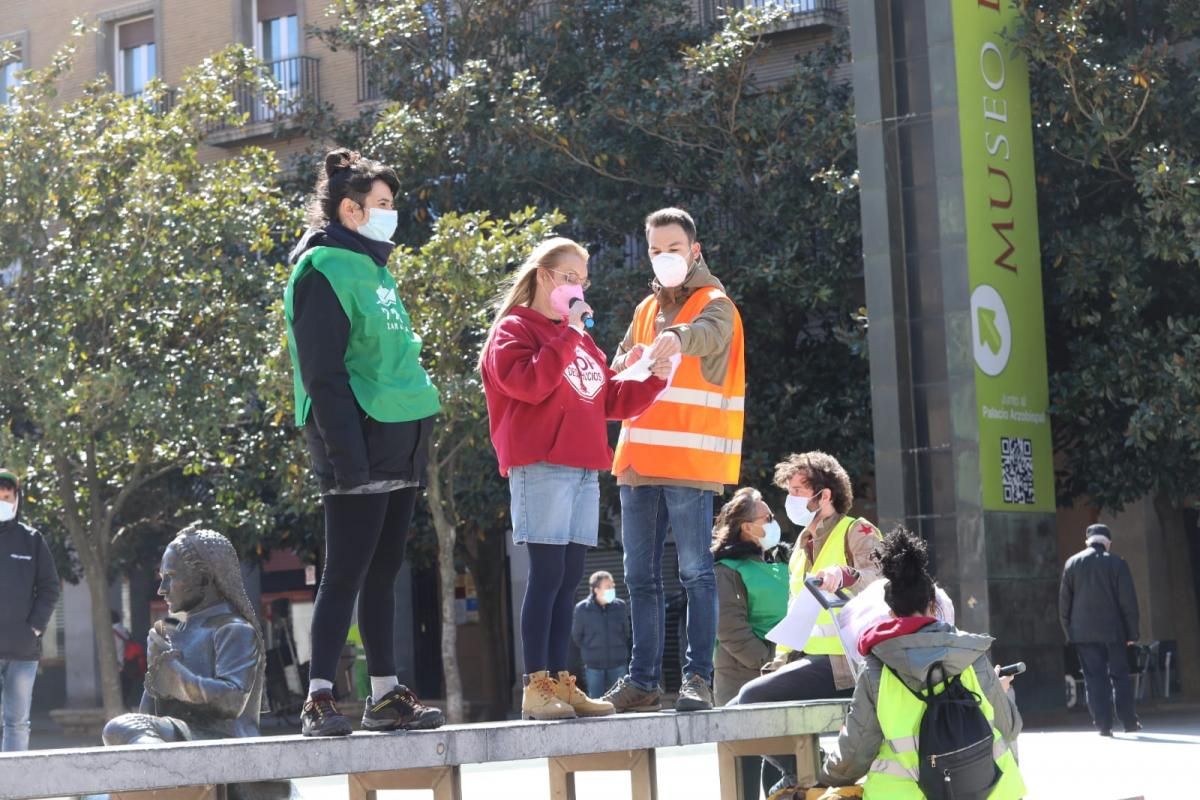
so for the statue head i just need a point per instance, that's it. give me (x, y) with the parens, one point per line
(200, 568)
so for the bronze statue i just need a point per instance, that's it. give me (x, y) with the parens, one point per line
(204, 677)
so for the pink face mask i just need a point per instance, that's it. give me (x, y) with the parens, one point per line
(561, 297)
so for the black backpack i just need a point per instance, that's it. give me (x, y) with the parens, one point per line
(955, 744)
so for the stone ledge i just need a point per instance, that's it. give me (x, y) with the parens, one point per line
(97, 770)
(80, 721)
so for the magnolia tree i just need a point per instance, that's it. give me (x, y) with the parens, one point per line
(135, 326)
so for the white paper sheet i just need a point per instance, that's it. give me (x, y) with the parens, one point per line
(795, 628)
(637, 371)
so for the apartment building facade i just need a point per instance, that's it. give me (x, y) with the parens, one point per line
(135, 41)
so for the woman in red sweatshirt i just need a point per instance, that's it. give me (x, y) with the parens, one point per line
(550, 394)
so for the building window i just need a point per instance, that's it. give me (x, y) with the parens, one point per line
(8, 79)
(136, 59)
(277, 42)
(9, 274)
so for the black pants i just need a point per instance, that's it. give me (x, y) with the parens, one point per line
(364, 548)
(549, 606)
(1105, 675)
(809, 678)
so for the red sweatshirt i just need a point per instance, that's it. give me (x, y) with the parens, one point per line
(550, 394)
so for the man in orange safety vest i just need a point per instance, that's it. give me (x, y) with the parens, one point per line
(673, 459)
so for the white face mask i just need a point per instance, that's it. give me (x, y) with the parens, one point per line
(8, 511)
(797, 510)
(381, 224)
(770, 537)
(609, 595)
(670, 269)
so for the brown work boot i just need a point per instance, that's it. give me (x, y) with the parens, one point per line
(566, 690)
(540, 700)
(694, 695)
(627, 698)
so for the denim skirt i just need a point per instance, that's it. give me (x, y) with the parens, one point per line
(553, 504)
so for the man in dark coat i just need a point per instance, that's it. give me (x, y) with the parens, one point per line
(28, 592)
(1098, 609)
(601, 631)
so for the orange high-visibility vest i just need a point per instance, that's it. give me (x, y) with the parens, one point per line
(694, 430)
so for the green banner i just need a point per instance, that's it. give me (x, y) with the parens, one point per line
(1004, 261)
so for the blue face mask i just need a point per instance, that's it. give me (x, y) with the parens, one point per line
(609, 595)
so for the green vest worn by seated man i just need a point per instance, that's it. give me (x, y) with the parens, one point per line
(766, 592)
(383, 353)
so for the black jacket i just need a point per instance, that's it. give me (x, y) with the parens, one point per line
(1096, 599)
(28, 590)
(602, 633)
(347, 447)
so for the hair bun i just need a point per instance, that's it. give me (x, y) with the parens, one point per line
(903, 557)
(338, 160)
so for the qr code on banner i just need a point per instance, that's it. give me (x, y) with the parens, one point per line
(1016, 470)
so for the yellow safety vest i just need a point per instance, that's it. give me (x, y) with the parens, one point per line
(824, 639)
(894, 773)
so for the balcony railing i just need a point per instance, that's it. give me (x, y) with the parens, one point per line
(297, 81)
(802, 11)
(162, 104)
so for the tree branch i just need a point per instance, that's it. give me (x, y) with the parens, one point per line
(139, 479)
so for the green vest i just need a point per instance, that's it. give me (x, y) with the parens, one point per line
(766, 592)
(893, 775)
(383, 355)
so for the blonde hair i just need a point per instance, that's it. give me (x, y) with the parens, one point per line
(520, 288)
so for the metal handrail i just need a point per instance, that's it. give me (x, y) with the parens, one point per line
(297, 81)
(710, 10)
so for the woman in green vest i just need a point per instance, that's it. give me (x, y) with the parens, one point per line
(752, 590)
(367, 409)
(879, 739)
(752, 595)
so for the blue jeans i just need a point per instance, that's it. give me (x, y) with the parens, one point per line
(645, 514)
(16, 696)
(600, 681)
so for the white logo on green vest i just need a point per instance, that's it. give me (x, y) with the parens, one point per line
(388, 303)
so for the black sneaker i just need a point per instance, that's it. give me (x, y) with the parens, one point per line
(1134, 728)
(694, 695)
(400, 709)
(320, 717)
(1106, 732)
(627, 698)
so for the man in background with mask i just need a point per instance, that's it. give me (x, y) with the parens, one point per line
(672, 460)
(28, 592)
(601, 632)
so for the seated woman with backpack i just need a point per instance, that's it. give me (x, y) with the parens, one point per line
(925, 682)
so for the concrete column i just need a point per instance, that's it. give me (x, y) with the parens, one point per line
(518, 566)
(405, 658)
(1001, 568)
(83, 673)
